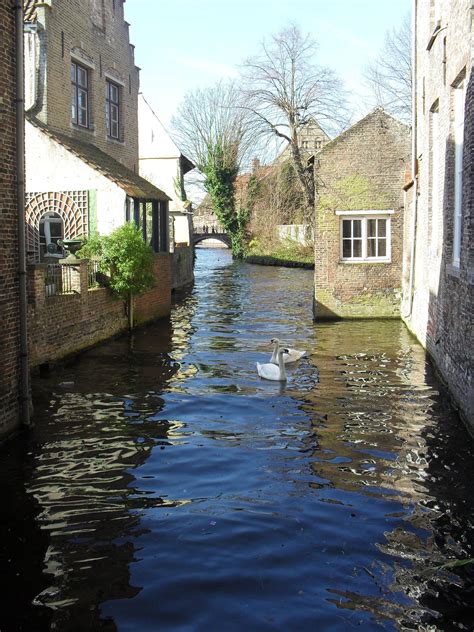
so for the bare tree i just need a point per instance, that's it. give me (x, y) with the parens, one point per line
(389, 75)
(284, 89)
(216, 136)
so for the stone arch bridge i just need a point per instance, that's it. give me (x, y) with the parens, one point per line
(201, 235)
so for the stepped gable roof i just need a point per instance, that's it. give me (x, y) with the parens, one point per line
(133, 184)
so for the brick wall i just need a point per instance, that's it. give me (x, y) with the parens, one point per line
(9, 295)
(362, 169)
(96, 35)
(439, 297)
(157, 302)
(62, 325)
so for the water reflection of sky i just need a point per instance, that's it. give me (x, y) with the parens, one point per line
(175, 490)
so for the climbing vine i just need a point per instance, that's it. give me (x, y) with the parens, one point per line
(220, 184)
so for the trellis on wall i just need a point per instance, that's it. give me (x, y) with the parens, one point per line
(71, 206)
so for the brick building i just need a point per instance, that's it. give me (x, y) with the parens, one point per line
(82, 127)
(311, 139)
(9, 288)
(438, 273)
(359, 220)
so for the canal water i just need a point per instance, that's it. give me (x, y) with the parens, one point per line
(167, 487)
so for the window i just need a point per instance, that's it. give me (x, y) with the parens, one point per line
(305, 144)
(459, 98)
(80, 95)
(112, 110)
(51, 230)
(364, 238)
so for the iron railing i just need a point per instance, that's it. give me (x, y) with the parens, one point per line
(60, 279)
(92, 270)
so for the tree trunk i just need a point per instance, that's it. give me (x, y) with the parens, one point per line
(130, 311)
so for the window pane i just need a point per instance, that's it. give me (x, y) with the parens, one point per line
(149, 223)
(371, 248)
(73, 104)
(371, 228)
(357, 248)
(82, 99)
(113, 93)
(82, 117)
(73, 72)
(357, 227)
(346, 248)
(382, 227)
(382, 247)
(346, 228)
(82, 77)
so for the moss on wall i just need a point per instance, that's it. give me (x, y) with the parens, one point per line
(351, 193)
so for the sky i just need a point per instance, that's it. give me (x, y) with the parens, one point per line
(181, 45)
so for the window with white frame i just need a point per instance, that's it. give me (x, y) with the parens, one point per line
(365, 236)
(112, 109)
(458, 124)
(80, 95)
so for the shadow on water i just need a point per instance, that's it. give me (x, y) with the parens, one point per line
(167, 487)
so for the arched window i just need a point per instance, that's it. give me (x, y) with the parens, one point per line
(51, 230)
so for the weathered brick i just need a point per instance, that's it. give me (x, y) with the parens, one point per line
(9, 293)
(438, 298)
(362, 169)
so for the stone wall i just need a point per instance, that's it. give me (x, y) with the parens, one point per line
(9, 294)
(183, 266)
(94, 34)
(438, 297)
(61, 325)
(361, 170)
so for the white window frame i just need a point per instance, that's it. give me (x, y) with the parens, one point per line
(458, 125)
(80, 114)
(364, 216)
(112, 108)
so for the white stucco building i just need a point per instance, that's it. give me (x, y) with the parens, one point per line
(162, 163)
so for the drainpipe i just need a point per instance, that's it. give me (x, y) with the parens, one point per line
(414, 166)
(20, 192)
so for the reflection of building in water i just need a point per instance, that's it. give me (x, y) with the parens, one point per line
(89, 445)
(384, 431)
(85, 485)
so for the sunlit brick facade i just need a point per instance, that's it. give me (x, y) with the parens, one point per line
(438, 278)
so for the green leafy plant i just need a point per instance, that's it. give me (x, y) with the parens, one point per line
(220, 184)
(127, 261)
(125, 258)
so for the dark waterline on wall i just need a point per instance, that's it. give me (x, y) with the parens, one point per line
(167, 487)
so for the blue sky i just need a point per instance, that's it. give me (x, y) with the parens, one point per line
(185, 44)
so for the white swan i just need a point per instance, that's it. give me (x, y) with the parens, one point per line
(290, 355)
(270, 371)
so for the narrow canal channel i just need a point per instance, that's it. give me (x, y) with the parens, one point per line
(167, 487)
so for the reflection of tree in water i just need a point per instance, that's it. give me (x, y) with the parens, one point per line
(384, 430)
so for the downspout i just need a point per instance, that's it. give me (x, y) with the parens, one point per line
(414, 165)
(20, 193)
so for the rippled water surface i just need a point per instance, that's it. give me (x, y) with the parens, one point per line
(167, 487)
